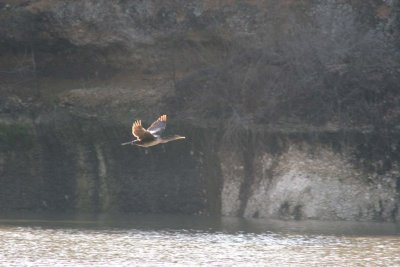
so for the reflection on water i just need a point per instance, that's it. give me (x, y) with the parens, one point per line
(194, 241)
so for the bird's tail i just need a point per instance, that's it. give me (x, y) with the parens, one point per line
(127, 143)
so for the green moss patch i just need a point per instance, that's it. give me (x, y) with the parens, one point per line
(16, 136)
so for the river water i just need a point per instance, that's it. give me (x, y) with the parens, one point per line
(166, 240)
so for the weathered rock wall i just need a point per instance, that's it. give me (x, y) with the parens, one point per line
(64, 162)
(312, 180)
(290, 108)
(60, 162)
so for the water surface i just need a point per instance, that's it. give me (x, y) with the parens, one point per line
(167, 240)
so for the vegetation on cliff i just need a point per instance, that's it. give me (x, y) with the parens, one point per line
(74, 74)
(320, 63)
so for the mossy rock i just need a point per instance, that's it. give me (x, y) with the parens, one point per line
(16, 136)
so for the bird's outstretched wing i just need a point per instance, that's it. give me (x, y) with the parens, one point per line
(139, 132)
(157, 127)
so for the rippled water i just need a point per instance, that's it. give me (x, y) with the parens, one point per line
(195, 241)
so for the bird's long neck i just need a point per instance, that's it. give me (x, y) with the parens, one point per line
(171, 138)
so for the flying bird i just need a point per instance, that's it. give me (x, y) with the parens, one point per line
(151, 136)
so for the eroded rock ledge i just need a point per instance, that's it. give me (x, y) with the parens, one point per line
(310, 180)
(285, 115)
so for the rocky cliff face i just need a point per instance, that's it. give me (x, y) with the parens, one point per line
(309, 180)
(61, 162)
(290, 108)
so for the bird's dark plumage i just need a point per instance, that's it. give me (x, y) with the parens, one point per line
(152, 135)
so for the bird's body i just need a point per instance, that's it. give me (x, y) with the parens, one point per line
(151, 136)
